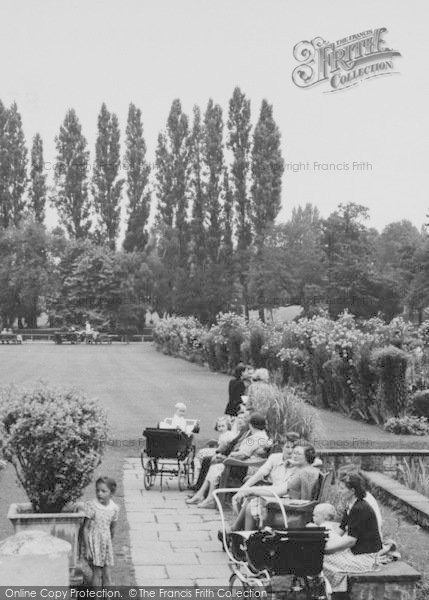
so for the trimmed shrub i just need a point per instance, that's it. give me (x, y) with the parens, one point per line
(54, 438)
(420, 403)
(392, 395)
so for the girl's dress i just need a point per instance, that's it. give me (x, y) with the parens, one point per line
(99, 538)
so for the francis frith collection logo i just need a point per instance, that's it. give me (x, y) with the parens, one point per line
(344, 63)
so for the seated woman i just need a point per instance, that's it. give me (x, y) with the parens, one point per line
(277, 469)
(238, 431)
(301, 483)
(351, 469)
(252, 443)
(360, 540)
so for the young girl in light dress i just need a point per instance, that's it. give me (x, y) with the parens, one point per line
(99, 528)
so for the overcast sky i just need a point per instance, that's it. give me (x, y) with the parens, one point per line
(57, 55)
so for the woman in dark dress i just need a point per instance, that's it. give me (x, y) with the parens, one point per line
(236, 389)
(360, 542)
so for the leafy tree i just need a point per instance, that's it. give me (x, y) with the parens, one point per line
(267, 171)
(71, 178)
(419, 290)
(25, 273)
(138, 171)
(239, 143)
(353, 282)
(106, 187)
(38, 189)
(396, 252)
(108, 288)
(304, 258)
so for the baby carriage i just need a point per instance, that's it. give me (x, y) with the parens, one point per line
(168, 453)
(288, 561)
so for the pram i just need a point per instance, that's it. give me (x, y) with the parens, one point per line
(168, 452)
(256, 557)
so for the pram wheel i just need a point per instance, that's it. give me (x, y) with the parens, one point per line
(236, 582)
(149, 475)
(149, 470)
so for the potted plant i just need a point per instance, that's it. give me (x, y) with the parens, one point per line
(54, 437)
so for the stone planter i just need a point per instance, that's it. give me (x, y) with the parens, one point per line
(63, 525)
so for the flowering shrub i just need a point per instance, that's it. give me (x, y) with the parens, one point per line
(407, 425)
(179, 336)
(54, 438)
(342, 365)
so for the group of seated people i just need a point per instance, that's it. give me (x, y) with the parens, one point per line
(354, 542)
(291, 472)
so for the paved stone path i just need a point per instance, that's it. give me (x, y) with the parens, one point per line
(171, 543)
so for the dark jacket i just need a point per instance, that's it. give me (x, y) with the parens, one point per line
(361, 523)
(236, 389)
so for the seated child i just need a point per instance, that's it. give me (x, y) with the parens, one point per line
(178, 421)
(226, 435)
(323, 516)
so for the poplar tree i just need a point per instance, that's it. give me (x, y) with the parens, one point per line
(38, 189)
(71, 177)
(267, 171)
(239, 143)
(226, 258)
(106, 187)
(197, 243)
(4, 169)
(138, 171)
(198, 222)
(172, 177)
(213, 161)
(13, 166)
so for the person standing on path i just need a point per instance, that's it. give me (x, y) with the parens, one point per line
(236, 389)
(99, 528)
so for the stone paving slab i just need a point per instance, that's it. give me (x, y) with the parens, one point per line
(172, 543)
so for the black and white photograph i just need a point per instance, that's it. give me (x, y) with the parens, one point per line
(214, 300)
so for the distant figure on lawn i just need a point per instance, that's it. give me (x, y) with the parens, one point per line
(99, 528)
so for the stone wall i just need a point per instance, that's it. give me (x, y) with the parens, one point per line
(385, 461)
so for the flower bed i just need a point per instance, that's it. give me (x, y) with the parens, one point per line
(368, 370)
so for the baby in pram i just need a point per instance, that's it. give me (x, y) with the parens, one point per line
(178, 421)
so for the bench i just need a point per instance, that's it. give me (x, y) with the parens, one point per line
(394, 581)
